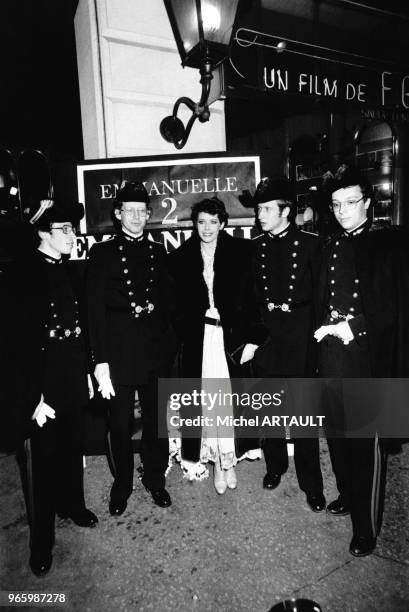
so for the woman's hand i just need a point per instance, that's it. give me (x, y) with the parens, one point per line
(248, 353)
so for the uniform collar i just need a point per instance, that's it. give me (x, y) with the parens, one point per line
(49, 259)
(358, 230)
(281, 234)
(130, 238)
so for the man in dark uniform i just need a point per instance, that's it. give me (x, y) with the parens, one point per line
(286, 265)
(362, 306)
(49, 359)
(132, 343)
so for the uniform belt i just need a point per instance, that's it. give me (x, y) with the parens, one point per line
(287, 306)
(211, 321)
(337, 315)
(138, 309)
(61, 333)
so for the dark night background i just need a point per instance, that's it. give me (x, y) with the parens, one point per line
(39, 102)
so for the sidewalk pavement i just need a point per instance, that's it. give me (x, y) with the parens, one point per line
(242, 551)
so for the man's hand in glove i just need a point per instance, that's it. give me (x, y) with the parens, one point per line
(103, 377)
(43, 412)
(340, 330)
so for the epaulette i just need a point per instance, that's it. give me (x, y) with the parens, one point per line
(388, 228)
(98, 242)
(310, 233)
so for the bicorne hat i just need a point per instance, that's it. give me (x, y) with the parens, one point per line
(274, 189)
(44, 212)
(278, 188)
(131, 192)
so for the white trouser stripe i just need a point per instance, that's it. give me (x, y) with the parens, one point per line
(376, 486)
(111, 456)
(30, 492)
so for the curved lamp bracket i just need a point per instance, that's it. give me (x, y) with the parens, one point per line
(172, 128)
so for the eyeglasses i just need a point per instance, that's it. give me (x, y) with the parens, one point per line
(129, 212)
(349, 204)
(66, 229)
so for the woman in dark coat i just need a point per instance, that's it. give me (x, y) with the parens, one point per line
(218, 326)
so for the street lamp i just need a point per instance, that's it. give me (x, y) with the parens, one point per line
(202, 30)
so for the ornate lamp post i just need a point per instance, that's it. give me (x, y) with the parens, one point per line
(202, 30)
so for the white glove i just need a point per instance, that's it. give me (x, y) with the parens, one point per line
(103, 377)
(90, 387)
(42, 412)
(248, 353)
(341, 330)
(344, 332)
(323, 331)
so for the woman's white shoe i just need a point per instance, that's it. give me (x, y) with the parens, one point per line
(220, 483)
(231, 478)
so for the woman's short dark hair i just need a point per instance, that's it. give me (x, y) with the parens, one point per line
(211, 206)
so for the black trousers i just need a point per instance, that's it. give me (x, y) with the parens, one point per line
(306, 461)
(360, 471)
(50, 460)
(306, 454)
(359, 464)
(154, 450)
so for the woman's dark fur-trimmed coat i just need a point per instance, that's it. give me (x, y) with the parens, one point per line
(234, 297)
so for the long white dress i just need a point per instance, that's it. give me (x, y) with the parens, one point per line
(215, 377)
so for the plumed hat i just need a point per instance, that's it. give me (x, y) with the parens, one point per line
(44, 212)
(346, 176)
(268, 189)
(274, 189)
(131, 192)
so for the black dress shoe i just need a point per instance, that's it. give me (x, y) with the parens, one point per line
(116, 508)
(338, 507)
(82, 518)
(40, 564)
(361, 546)
(161, 497)
(316, 502)
(271, 481)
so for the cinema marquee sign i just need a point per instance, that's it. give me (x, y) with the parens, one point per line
(342, 80)
(392, 90)
(173, 185)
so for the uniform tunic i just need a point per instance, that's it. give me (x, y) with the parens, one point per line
(345, 303)
(123, 274)
(286, 266)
